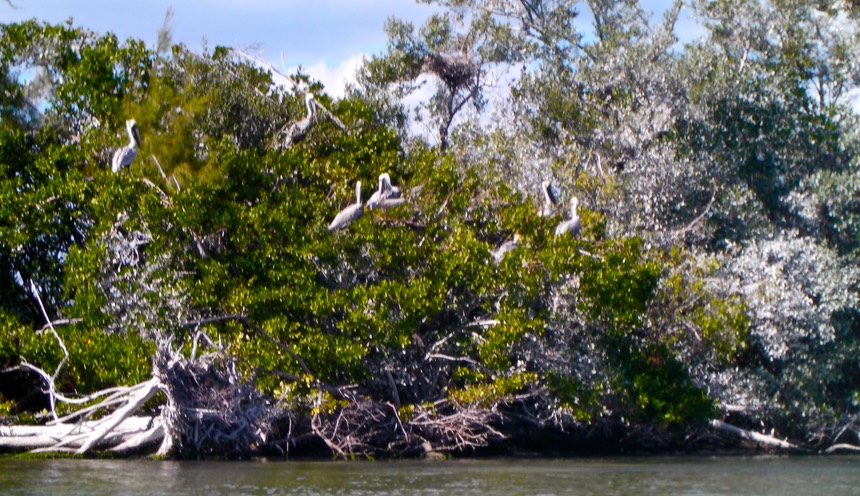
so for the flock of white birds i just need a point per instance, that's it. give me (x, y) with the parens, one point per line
(386, 196)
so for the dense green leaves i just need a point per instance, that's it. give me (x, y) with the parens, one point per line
(218, 227)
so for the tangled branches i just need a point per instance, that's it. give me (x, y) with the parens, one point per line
(370, 428)
(210, 408)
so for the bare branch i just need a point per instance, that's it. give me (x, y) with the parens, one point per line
(164, 198)
(754, 436)
(698, 217)
(52, 388)
(120, 415)
(331, 117)
(160, 170)
(267, 65)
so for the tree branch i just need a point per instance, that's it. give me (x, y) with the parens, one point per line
(754, 436)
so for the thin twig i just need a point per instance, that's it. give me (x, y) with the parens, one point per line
(160, 170)
(52, 382)
(164, 198)
(331, 117)
(267, 65)
(698, 217)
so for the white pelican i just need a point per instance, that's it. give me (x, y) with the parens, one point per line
(124, 156)
(387, 196)
(499, 253)
(350, 213)
(572, 226)
(550, 198)
(298, 130)
(393, 191)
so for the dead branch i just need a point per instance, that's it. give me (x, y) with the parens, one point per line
(160, 170)
(164, 198)
(337, 122)
(698, 218)
(41, 438)
(367, 428)
(754, 436)
(456, 427)
(150, 436)
(211, 408)
(836, 448)
(267, 65)
(391, 384)
(110, 422)
(52, 388)
(60, 322)
(114, 395)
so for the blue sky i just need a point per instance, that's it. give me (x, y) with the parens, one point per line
(328, 38)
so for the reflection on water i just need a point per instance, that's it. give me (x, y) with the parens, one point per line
(693, 476)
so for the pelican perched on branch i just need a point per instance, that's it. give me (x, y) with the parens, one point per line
(504, 248)
(550, 198)
(573, 225)
(298, 130)
(124, 156)
(387, 196)
(350, 213)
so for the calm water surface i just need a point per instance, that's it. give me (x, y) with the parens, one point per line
(815, 476)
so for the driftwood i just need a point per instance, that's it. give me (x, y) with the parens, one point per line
(107, 425)
(128, 435)
(843, 448)
(755, 436)
(74, 432)
(210, 409)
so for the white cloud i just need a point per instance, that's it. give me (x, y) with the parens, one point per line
(335, 78)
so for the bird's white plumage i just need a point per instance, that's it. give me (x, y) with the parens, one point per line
(387, 196)
(299, 130)
(346, 216)
(124, 156)
(393, 191)
(500, 252)
(573, 225)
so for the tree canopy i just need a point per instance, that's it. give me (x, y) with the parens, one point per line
(715, 276)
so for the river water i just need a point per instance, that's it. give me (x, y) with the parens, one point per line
(815, 476)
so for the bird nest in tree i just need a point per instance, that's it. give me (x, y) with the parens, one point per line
(454, 69)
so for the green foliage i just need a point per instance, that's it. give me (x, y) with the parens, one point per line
(490, 393)
(618, 286)
(219, 227)
(724, 325)
(96, 360)
(660, 388)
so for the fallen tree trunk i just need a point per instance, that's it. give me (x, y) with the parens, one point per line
(72, 437)
(755, 436)
(843, 448)
(108, 424)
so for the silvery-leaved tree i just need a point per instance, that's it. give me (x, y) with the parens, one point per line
(737, 147)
